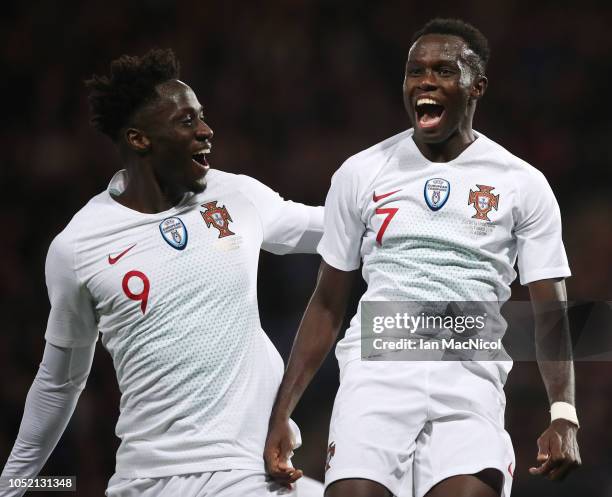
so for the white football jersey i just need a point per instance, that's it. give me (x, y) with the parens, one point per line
(429, 231)
(174, 296)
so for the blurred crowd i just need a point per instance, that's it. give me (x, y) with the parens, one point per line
(291, 89)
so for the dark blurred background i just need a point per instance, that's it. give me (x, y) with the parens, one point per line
(291, 89)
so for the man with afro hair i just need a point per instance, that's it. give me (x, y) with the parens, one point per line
(163, 265)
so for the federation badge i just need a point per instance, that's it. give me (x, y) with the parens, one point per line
(436, 191)
(217, 217)
(483, 201)
(174, 232)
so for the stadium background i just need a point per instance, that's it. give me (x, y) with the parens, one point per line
(291, 89)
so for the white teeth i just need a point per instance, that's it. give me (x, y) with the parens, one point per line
(423, 101)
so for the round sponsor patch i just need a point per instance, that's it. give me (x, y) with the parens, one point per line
(174, 232)
(436, 191)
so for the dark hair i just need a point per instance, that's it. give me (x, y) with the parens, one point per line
(131, 85)
(474, 39)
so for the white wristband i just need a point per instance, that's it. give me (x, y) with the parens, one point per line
(563, 410)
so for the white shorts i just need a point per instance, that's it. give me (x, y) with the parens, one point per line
(410, 425)
(230, 483)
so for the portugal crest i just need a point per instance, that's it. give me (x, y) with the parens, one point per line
(217, 217)
(174, 232)
(436, 191)
(483, 201)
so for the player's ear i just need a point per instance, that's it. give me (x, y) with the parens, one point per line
(479, 86)
(137, 140)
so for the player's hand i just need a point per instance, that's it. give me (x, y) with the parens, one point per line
(557, 451)
(278, 450)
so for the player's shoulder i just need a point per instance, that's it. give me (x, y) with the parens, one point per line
(215, 176)
(64, 254)
(86, 219)
(378, 153)
(92, 214)
(240, 187)
(520, 169)
(361, 169)
(222, 180)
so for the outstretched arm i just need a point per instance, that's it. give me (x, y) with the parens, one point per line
(315, 337)
(49, 405)
(558, 452)
(313, 231)
(288, 227)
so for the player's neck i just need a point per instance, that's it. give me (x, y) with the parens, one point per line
(143, 193)
(447, 150)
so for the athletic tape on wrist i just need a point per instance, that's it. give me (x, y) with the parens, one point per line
(563, 410)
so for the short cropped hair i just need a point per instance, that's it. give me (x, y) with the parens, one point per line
(130, 86)
(474, 39)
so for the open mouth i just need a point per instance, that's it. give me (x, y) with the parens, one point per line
(200, 158)
(429, 113)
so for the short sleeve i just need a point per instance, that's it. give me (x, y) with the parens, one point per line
(285, 223)
(340, 246)
(541, 254)
(72, 320)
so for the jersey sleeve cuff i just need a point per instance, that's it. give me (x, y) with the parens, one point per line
(69, 342)
(545, 274)
(335, 262)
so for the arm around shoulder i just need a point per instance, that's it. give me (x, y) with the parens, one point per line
(288, 227)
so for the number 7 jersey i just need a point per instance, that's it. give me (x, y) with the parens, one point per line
(429, 231)
(174, 296)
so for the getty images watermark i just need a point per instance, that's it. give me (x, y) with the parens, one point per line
(424, 323)
(480, 331)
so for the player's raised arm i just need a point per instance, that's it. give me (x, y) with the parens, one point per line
(558, 452)
(315, 337)
(313, 231)
(288, 227)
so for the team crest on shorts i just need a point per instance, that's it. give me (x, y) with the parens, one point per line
(217, 217)
(331, 452)
(173, 230)
(483, 201)
(436, 191)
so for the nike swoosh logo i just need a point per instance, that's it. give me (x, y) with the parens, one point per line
(376, 198)
(112, 260)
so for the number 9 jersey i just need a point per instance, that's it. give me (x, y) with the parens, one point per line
(174, 296)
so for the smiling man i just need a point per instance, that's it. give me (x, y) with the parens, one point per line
(164, 265)
(438, 213)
